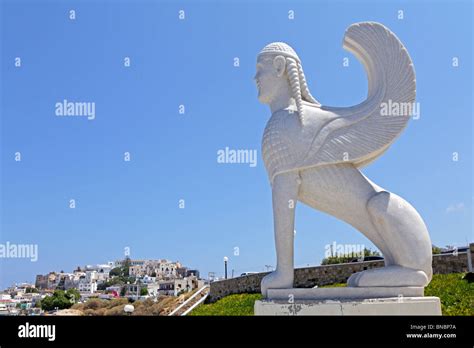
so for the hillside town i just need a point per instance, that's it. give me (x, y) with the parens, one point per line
(127, 278)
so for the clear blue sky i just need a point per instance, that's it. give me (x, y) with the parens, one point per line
(135, 204)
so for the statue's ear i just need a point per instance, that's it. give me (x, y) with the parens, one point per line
(279, 63)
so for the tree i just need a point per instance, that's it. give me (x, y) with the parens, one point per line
(436, 250)
(122, 271)
(73, 295)
(331, 260)
(126, 267)
(143, 291)
(59, 300)
(117, 280)
(115, 272)
(102, 286)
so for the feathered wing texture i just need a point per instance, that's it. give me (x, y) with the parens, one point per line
(361, 133)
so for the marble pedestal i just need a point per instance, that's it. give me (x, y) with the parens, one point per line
(348, 301)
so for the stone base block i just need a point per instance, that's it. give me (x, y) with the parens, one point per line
(379, 306)
(343, 293)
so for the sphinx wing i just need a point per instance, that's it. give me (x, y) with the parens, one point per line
(361, 133)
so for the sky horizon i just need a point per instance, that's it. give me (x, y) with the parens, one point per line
(166, 92)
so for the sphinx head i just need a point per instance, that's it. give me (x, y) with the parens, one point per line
(278, 70)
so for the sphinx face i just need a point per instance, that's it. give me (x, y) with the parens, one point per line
(267, 80)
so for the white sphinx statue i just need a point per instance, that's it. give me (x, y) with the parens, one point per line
(313, 153)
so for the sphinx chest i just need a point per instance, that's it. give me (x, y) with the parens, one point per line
(281, 150)
(286, 143)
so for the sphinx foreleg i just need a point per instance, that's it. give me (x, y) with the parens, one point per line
(284, 197)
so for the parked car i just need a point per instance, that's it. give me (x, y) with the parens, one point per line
(247, 273)
(455, 250)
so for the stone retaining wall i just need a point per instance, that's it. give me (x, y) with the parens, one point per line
(323, 275)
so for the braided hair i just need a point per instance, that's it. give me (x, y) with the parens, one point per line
(293, 77)
(298, 85)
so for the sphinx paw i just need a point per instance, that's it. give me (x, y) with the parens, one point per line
(276, 280)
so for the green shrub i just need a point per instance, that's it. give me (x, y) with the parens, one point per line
(336, 259)
(60, 300)
(456, 294)
(234, 305)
